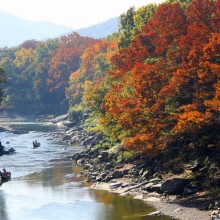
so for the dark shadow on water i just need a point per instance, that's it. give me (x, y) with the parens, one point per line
(3, 208)
(33, 126)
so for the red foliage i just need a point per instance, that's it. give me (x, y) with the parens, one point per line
(167, 81)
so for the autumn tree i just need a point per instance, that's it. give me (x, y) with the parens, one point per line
(194, 82)
(88, 84)
(44, 53)
(164, 83)
(183, 3)
(65, 60)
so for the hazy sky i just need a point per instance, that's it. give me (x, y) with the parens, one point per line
(72, 13)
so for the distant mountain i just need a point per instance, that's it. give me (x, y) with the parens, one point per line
(100, 30)
(15, 31)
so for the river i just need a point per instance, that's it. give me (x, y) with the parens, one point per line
(46, 185)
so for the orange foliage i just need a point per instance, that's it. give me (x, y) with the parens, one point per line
(167, 81)
(66, 59)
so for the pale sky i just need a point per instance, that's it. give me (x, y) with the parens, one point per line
(72, 13)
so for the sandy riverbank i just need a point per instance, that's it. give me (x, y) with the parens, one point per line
(177, 208)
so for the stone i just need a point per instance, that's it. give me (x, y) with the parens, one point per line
(174, 186)
(117, 174)
(155, 213)
(114, 185)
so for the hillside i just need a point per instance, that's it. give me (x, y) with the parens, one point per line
(15, 31)
(100, 30)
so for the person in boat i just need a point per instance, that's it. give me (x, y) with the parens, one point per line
(36, 144)
(5, 173)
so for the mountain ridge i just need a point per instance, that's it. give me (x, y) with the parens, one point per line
(14, 30)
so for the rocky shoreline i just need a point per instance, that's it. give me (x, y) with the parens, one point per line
(131, 179)
(173, 195)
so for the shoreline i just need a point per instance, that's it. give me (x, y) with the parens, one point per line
(179, 210)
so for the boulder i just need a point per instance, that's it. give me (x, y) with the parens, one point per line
(103, 157)
(88, 141)
(75, 116)
(174, 186)
(108, 178)
(117, 174)
(60, 118)
(108, 166)
(66, 138)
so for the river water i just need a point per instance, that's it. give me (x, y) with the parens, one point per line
(45, 184)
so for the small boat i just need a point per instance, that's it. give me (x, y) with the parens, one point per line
(36, 144)
(5, 177)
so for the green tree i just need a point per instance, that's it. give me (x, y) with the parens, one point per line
(132, 21)
(126, 21)
(142, 16)
(2, 81)
(183, 3)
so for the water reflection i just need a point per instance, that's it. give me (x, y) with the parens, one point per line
(46, 187)
(58, 193)
(3, 208)
(122, 207)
